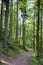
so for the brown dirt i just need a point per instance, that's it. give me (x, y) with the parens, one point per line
(22, 59)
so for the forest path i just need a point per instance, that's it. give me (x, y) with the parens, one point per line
(22, 59)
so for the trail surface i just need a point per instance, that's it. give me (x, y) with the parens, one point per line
(22, 59)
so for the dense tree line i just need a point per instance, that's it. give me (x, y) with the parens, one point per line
(9, 25)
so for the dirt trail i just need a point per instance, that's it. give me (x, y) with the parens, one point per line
(22, 59)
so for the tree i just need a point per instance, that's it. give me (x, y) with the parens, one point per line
(17, 25)
(24, 9)
(11, 18)
(38, 20)
(1, 34)
(6, 24)
(34, 34)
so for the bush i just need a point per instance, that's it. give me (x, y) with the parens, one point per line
(33, 60)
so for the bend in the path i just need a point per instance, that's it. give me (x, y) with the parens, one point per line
(22, 59)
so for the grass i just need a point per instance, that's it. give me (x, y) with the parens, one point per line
(33, 60)
(18, 50)
(13, 52)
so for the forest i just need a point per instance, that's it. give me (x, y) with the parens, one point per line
(21, 32)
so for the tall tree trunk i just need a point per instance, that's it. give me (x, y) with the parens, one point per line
(37, 40)
(34, 35)
(41, 36)
(1, 35)
(23, 34)
(24, 9)
(17, 25)
(11, 17)
(1, 15)
(6, 25)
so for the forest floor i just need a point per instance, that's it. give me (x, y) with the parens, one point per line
(22, 59)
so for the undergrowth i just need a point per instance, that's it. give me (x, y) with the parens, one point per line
(33, 60)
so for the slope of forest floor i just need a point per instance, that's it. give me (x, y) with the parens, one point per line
(22, 59)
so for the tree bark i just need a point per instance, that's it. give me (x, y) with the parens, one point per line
(37, 39)
(1, 34)
(17, 25)
(34, 35)
(41, 36)
(6, 25)
(24, 9)
(11, 18)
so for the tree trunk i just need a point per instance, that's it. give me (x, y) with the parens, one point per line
(6, 25)
(24, 9)
(1, 34)
(41, 36)
(37, 40)
(34, 35)
(11, 18)
(17, 25)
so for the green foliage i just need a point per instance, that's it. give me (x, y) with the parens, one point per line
(14, 47)
(18, 50)
(1, 46)
(6, 52)
(33, 60)
(28, 34)
(1, 35)
(11, 40)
